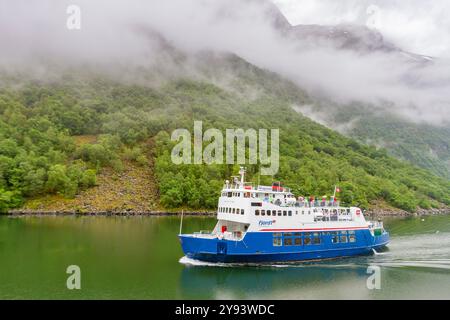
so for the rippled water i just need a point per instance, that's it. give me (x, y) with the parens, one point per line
(130, 258)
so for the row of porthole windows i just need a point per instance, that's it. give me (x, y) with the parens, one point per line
(311, 238)
(278, 212)
(281, 213)
(231, 210)
(274, 212)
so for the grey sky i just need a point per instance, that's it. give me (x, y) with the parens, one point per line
(421, 26)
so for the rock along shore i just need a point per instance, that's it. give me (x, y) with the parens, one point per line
(372, 213)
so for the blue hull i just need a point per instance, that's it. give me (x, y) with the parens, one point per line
(259, 247)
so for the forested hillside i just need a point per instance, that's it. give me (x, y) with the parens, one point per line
(422, 144)
(41, 125)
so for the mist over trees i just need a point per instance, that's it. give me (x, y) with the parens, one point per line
(41, 126)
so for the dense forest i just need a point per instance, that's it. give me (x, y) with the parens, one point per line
(41, 125)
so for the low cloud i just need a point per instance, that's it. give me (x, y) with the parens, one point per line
(418, 26)
(118, 34)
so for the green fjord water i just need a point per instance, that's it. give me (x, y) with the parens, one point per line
(139, 258)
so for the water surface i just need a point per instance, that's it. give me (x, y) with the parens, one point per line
(139, 258)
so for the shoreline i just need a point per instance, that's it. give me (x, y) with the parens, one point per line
(18, 213)
(372, 213)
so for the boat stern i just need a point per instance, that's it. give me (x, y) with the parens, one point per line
(195, 246)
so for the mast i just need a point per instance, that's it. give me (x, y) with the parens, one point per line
(181, 221)
(242, 173)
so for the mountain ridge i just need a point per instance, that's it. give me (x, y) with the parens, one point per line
(39, 156)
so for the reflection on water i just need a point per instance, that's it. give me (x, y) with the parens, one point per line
(415, 265)
(133, 258)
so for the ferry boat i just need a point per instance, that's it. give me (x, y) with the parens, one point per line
(269, 224)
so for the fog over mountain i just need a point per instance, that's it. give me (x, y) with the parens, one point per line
(343, 63)
(417, 26)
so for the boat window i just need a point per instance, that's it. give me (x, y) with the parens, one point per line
(343, 237)
(234, 210)
(334, 237)
(290, 213)
(256, 212)
(297, 234)
(309, 211)
(277, 234)
(268, 212)
(284, 213)
(230, 194)
(263, 212)
(316, 238)
(307, 241)
(288, 234)
(296, 212)
(279, 212)
(242, 211)
(298, 241)
(288, 241)
(277, 241)
(352, 238)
